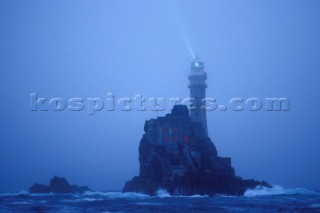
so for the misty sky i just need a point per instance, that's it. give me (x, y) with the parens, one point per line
(89, 48)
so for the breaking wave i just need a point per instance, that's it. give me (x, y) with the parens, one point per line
(21, 193)
(117, 195)
(277, 190)
(162, 193)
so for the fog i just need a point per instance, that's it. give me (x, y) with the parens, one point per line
(87, 49)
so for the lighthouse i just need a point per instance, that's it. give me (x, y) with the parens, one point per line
(197, 86)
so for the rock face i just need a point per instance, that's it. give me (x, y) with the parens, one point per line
(175, 155)
(58, 185)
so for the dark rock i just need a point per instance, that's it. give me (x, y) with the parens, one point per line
(39, 188)
(176, 155)
(58, 185)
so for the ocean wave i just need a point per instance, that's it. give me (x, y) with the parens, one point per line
(20, 203)
(162, 193)
(197, 196)
(315, 205)
(21, 193)
(277, 190)
(26, 193)
(117, 195)
(227, 196)
(80, 200)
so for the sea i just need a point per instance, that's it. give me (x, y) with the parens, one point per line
(260, 199)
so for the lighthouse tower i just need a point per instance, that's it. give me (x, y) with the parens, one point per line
(197, 87)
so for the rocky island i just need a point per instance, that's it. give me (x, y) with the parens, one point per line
(58, 185)
(176, 153)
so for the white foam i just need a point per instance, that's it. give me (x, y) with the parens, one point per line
(22, 192)
(191, 196)
(117, 195)
(316, 205)
(198, 196)
(162, 193)
(149, 204)
(43, 194)
(89, 199)
(21, 203)
(276, 190)
(219, 195)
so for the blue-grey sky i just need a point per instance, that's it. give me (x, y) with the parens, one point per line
(66, 49)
